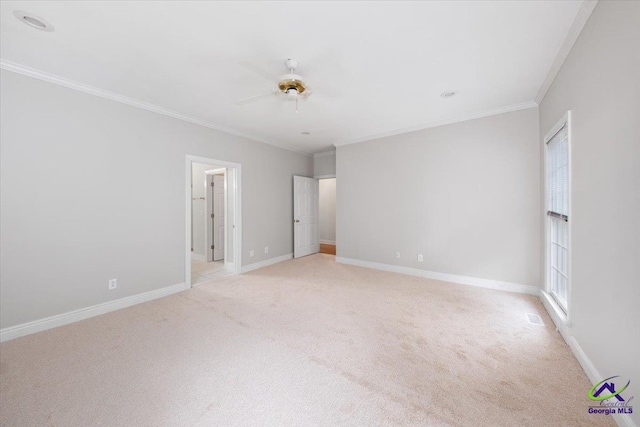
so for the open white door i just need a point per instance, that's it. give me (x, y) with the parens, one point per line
(218, 217)
(305, 216)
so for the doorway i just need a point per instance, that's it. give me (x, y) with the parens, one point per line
(314, 215)
(327, 216)
(213, 219)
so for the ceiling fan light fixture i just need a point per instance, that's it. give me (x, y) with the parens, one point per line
(448, 94)
(291, 85)
(292, 94)
(291, 82)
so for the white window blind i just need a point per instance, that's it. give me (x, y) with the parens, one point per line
(558, 174)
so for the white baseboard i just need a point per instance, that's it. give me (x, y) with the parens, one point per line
(445, 277)
(328, 242)
(587, 366)
(265, 263)
(21, 330)
(197, 257)
(595, 377)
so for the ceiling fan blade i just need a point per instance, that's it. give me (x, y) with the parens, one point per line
(253, 98)
(259, 71)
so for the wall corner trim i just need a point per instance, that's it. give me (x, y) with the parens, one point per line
(445, 277)
(265, 263)
(40, 325)
(586, 8)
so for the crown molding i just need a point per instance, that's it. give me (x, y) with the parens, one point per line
(586, 8)
(436, 123)
(325, 153)
(72, 84)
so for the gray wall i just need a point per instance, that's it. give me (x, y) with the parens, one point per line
(324, 164)
(327, 226)
(93, 189)
(600, 83)
(466, 196)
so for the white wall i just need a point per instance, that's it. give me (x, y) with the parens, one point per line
(327, 224)
(466, 196)
(324, 164)
(93, 189)
(600, 83)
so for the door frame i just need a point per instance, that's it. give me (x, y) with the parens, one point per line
(235, 186)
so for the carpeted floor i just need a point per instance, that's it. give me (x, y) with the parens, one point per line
(301, 343)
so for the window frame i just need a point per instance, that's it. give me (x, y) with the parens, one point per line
(563, 312)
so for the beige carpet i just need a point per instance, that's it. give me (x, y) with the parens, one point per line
(305, 342)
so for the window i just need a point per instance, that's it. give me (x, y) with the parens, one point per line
(557, 201)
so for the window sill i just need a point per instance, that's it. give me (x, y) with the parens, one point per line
(557, 314)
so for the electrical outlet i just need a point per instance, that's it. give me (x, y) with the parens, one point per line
(397, 254)
(113, 283)
(420, 258)
(251, 253)
(266, 249)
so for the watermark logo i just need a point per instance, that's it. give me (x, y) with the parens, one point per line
(609, 398)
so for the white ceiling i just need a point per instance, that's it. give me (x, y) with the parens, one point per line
(376, 67)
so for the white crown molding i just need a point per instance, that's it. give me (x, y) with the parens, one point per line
(586, 8)
(445, 277)
(325, 153)
(72, 84)
(40, 325)
(436, 123)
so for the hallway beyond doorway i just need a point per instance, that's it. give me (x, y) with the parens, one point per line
(327, 249)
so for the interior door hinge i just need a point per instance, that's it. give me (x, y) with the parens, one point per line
(213, 215)
(213, 247)
(213, 184)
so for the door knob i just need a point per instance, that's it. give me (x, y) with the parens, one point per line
(296, 220)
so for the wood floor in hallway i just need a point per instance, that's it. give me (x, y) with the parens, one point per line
(327, 249)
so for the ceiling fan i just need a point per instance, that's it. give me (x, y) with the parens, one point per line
(289, 86)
